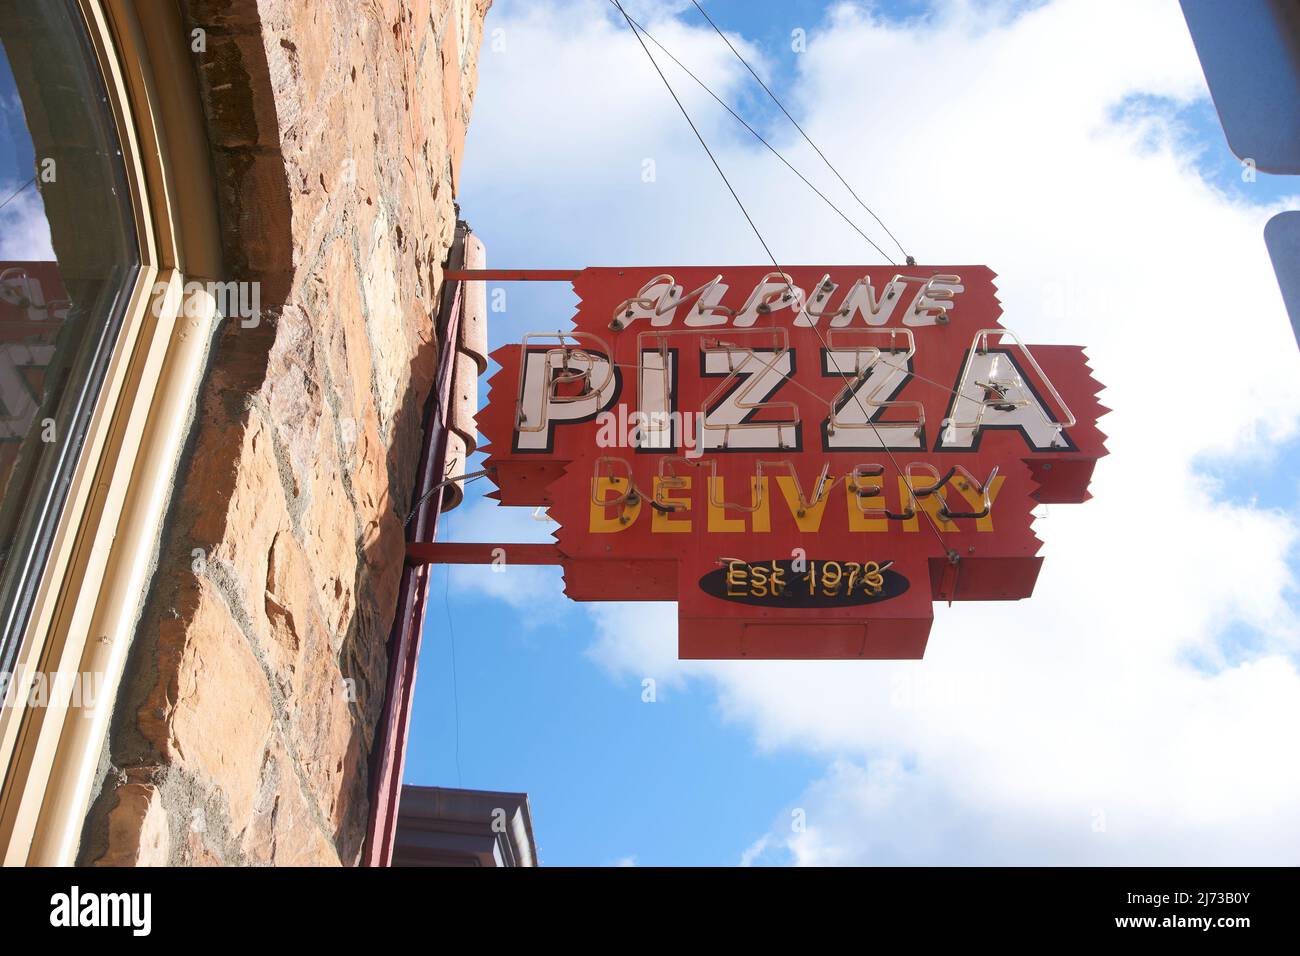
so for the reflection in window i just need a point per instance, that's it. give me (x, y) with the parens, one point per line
(68, 253)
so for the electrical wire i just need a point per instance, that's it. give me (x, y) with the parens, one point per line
(781, 106)
(455, 689)
(468, 479)
(671, 92)
(741, 120)
(16, 192)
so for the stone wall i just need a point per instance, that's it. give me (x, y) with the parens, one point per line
(246, 720)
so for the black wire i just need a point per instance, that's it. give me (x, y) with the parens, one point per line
(781, 106)
(425, 497)
(691, 122)
(759, 137)
(455, 689)
(17, 191)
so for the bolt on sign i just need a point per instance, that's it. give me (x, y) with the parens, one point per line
(804, 461)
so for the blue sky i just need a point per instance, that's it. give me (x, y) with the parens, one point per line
(24, 233)
(1071, 145)
(608, 776)
(994, 749)
(16, 162)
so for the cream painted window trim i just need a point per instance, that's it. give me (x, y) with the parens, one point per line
(98, 571)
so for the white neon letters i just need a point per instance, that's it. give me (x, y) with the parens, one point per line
(867, 341)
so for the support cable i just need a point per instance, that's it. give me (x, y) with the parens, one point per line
(910, 261)
(758, 136)
(16, 192)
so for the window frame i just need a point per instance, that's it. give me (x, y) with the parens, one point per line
(79, 401)
(87, 599)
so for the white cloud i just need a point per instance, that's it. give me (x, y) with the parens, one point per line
(24, 230)
(1140, 707)
(531, 588)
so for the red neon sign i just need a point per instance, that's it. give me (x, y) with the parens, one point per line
(803, 462)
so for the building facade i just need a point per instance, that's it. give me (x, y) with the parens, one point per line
(250, 214)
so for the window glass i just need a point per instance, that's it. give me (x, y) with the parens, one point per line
(68, 255)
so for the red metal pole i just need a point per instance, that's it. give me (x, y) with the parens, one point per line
(511, 275)
(388, 758)
(481, 552)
